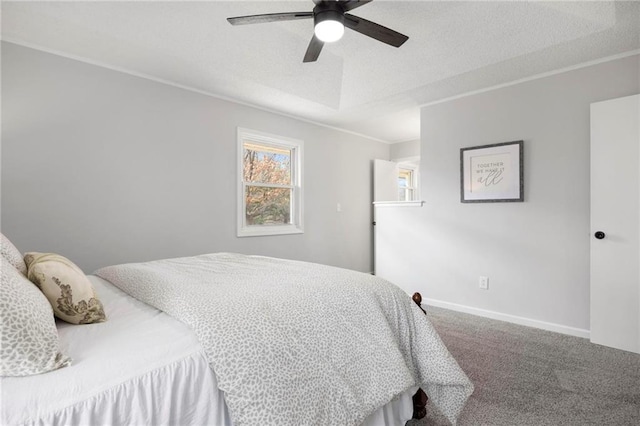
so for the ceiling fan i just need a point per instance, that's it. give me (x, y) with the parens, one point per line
(329, 18)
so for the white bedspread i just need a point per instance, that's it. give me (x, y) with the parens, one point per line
(296, 343)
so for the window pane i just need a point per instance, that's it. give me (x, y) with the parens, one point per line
(268, 206)
(265, 164)
(405, 178)
(405, 194)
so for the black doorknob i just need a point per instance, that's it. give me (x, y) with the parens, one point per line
(599, 235)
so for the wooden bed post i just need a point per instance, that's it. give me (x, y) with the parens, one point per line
(420, 398)
(417, 297)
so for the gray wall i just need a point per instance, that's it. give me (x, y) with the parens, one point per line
(535, 253)
(104, 167)
(404, 150)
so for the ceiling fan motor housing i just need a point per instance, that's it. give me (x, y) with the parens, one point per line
(328, 11)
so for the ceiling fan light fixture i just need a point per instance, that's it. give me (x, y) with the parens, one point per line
(329, 25)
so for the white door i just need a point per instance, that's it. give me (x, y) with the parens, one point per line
(385, 180)
(615, 223)
(385, 188)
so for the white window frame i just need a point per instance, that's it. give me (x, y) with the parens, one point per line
(413, 185)
(296, 147)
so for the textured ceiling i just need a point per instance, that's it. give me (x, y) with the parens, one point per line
(358, 84)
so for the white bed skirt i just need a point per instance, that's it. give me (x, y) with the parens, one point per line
(182, 393)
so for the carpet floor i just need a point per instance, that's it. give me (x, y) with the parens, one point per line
(525, 376)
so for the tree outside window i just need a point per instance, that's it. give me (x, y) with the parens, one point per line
(267, 177)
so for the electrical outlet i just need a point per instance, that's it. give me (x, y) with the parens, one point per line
(338, 208)
(483, 282)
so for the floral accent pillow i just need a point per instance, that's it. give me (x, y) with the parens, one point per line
(11, 253)
(67, 288)
(28, 334)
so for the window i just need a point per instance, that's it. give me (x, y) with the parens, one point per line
(407, 183)
(270, 184)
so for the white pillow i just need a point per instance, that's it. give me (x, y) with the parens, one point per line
(67, 288)
(28, 334)
(11, 253)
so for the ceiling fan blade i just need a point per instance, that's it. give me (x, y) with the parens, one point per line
(314, 49)
(269, 17)
(348, 5)
(373, 30)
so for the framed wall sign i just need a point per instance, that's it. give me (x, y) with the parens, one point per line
(492, 173)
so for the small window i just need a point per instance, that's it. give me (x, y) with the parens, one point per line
(270, 184)
(407, 183)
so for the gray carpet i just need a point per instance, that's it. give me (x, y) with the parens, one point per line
(526, 376)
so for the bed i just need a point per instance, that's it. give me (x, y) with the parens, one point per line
(145, 366)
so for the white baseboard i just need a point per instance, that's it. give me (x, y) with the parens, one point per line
(572, 331)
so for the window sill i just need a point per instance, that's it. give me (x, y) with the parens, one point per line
(261, 231)
(398, 203)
